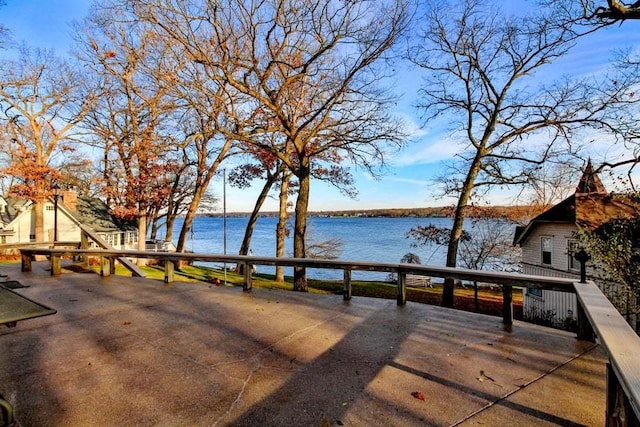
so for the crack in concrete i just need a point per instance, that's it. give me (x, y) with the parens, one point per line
(259, 365)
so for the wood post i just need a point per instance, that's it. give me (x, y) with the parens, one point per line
(26, 262)
(247, 285)
(346, 284)
(584, 328)
(84, 244)
(507, 304)
(402, 288)
(105, 265)
(169, 268)
(619, 410)
(56, 265)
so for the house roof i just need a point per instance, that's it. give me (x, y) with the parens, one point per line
(590, 207)
(13, 208)
(590, 182)
(94, 213)
(562, 213)
(89, 211)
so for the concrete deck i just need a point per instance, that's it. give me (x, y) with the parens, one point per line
(135, 352)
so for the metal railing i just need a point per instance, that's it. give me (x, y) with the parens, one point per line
(597, 318)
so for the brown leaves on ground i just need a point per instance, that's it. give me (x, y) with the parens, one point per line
(418, 395)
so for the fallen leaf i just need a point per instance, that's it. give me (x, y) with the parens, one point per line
(418, 395)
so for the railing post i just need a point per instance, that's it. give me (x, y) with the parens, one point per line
(248, 282)
(169, 268)
(402, 288)
(507, 304)
(105, 265)
(84, 244)
(584, 328)
(56, 265)
(347, 284)
(26, 262)
(619, 411)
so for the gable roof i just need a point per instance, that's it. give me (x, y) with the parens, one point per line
(13, 207)
(562, 213)
(89, 211)
(590, 207)
(94, 213)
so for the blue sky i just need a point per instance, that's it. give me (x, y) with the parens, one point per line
(408, 180)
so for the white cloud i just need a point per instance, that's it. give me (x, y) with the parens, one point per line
(412, 181)
(426, 153)
(412, 127)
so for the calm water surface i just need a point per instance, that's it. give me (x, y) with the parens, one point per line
(364, 239)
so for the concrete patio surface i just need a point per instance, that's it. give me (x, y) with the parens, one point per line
(136, 352)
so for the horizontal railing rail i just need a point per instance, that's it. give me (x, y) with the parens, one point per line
(596, 316)
(622, 346)
(506, 280)
(500, 278)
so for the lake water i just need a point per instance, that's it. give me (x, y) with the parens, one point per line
(364, 239)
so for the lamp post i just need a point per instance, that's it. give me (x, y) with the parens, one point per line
(224, 219)
(582, 257)
(56, 196)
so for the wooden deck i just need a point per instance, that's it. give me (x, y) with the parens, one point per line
(134, 351)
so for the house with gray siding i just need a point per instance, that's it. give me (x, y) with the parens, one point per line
(18, 225)
(549, 243)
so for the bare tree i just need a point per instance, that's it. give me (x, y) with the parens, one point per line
(135, 71)
(267, 166)
(310, 68)
(552, 183)
(480, 74)
(281, 228)
(42, 102)
(4, 31)
(614, 11)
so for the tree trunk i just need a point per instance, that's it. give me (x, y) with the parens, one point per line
(251, 224)
(171, 218)
(302, 205)
(457, 227)
(38, 210)
(142, 238)
(188, 219)
(202, 183)
(281, 228)
(153, 234)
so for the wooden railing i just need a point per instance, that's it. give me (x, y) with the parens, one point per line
(597, 318)
(506, 280)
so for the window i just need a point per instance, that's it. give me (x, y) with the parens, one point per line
(534, 292)
(50, 207)
(572, 249)
(547, 250)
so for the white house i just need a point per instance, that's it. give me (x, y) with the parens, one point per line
(18, 225)
(549, 243)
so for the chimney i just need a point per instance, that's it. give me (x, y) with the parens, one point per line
(70, 199)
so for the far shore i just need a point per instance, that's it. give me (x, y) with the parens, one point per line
(426, 212)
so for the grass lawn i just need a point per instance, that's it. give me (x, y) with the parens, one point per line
(490, 300)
